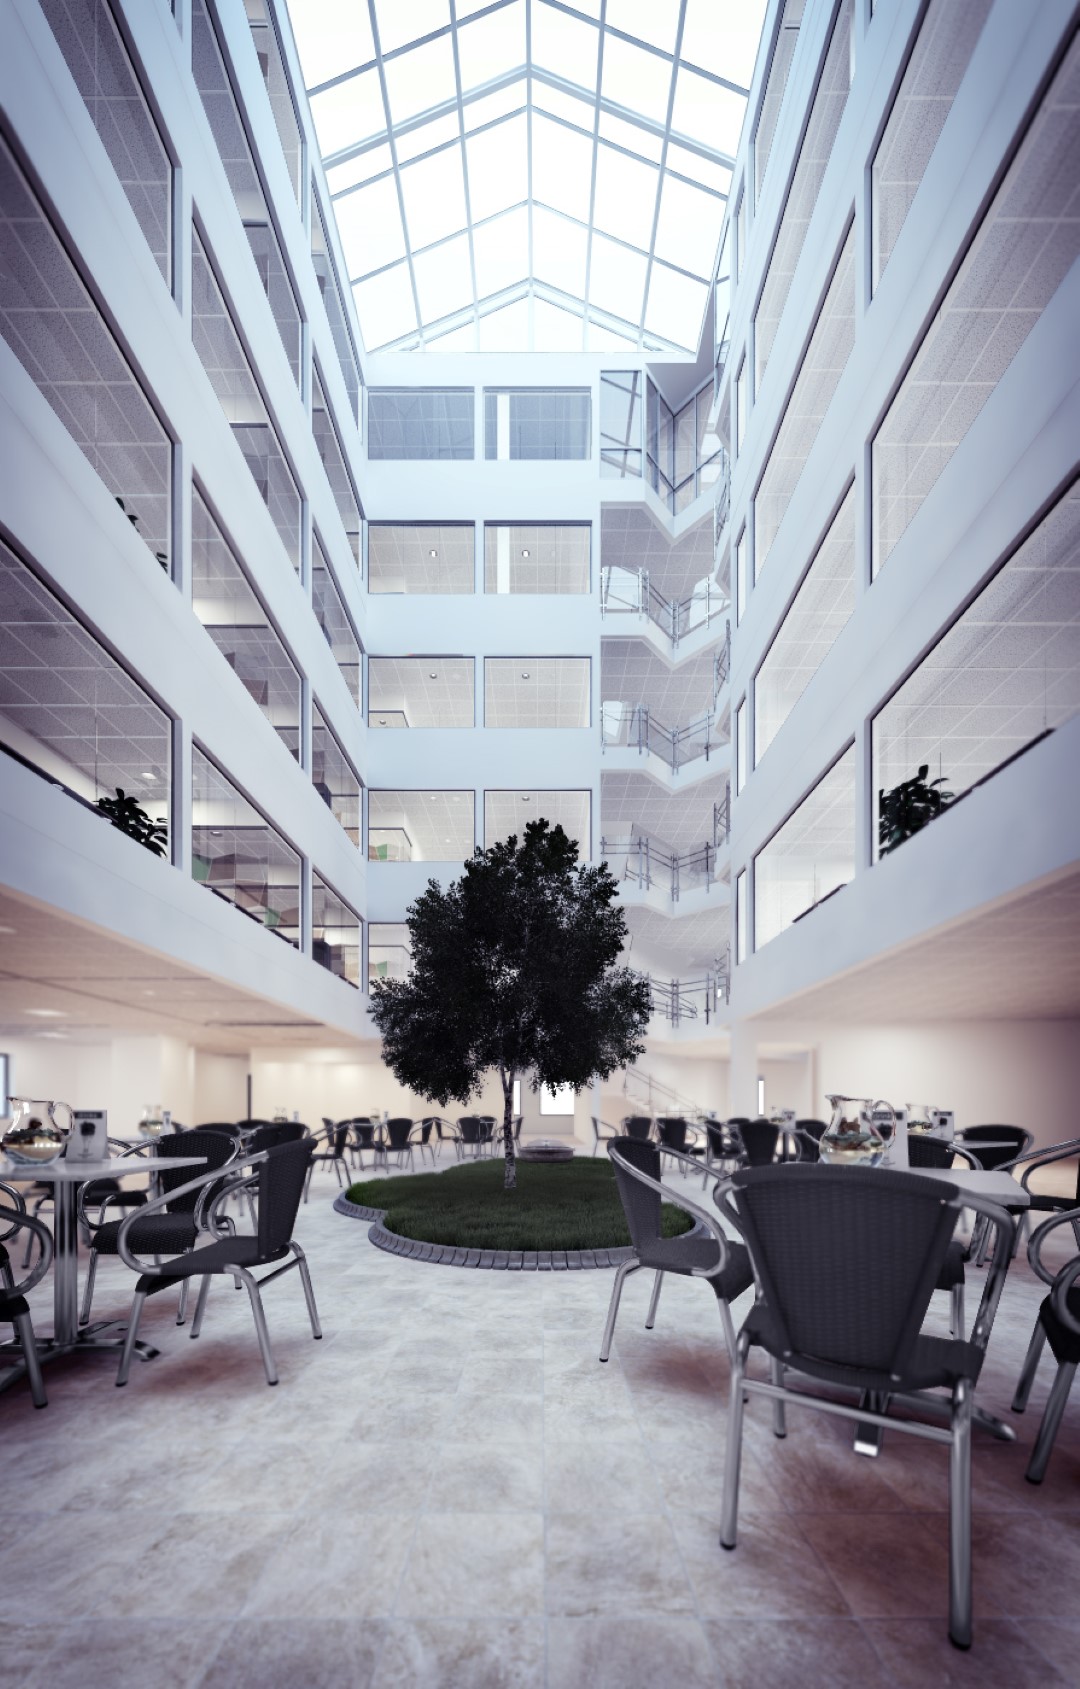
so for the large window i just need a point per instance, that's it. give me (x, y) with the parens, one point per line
(811, 856)
(1004, 674)
(537, 557)
(421, 557)
(537, 691)
(620, 422)
(272, 65)
(420, 826)
(814, 620)
(236, 853)
(507, 813)
(335, 932)
(389, 950)
(328, 443)
(420, 422)
(231, 613)
(683, 458)
(946, 40)
(333, 775)
(537, 424)
(1025, 245)
(56, 331)
(775, 82)
(98, 59)
(421, 692)
(826, 112)
(821, 369)
(226, 363)
(333, 618)
(231, 140)
(67, 708)
(329, 286)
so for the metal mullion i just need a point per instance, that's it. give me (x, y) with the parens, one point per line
(464, 163)
(399, 52)
(529, 169)
(592, 184)
(636, 119)
(660, 182)
(433, 246)
(397, 172)
(420, 157)
(648, 47)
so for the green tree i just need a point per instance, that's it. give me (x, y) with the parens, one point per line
(514, 970)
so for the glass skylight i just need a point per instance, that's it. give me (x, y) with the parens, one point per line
(528, 174)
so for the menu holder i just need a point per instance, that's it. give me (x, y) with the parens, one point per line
(89, 1136)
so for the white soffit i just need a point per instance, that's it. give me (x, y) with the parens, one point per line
(528, 174)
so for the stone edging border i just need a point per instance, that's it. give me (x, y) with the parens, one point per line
(499, 1260)
(502, 1260)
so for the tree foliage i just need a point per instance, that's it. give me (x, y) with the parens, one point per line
(515, 968)
(906, 809)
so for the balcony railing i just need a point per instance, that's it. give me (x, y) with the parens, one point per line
(630, 592)
(634, 727)
(679, 1000)
(646, 863)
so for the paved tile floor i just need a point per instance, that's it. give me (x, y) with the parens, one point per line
(449, 1490)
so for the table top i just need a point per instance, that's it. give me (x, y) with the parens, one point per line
(996, 1187)
(64, 1172)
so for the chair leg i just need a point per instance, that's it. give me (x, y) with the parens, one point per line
(309, 1294)
(957, 1321)
(307, 1181)
(621, 1275)
(88, 1293)
(1031, 1367)
(776, 1372)
(181, 1311)
(32, 1360)
(654, 1299)
(1048, 1430)
(730, 1515)
(260, 1328)
(729, 1327)
(960, 1519)
(129, 1338)
(200, 1305)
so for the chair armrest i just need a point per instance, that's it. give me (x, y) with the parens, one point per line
(18, 1203)
(27, 1222)
(677, 1199)
(999, 1262)
(157, 1203)
(967, 1155)
(1059, 1296)
(1036, 1158)
(1069, 1216)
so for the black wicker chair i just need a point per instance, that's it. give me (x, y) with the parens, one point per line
(279, 1178)
(676, 1137)
(1057, 1322)
(420, 1139)
(176, 1221)
(846, 1261)
(335, 1155)
(726, 1265)
(1045, 1202)
(808, 1135)
(638, 1126)
(399, 1140)
(1012, 1141)
(925, 1152)
(759, 1139)
(14, 1308)
(470, 1138)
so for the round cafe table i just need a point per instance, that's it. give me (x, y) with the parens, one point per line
(66, 1177)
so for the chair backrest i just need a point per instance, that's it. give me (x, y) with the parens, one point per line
(215, 1146)
(672, 1129)
(470, 1128)
(810, 1134)
(739, 1120)
(923, 1151)
(1018, 1143)
(759, 1140)
(397, 1130)
(363, 1133)
(638, 1125)
(487, 1127)
(281, 1185)
(426, 1129)
(847, 1258)
(275, 1132)
(340, 1136)
(640, 1204)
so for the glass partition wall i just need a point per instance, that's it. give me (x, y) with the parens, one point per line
(238, 854)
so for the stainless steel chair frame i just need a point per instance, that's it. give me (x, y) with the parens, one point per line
(24, 1350)
(1060, 1284)
(241, 1276)
(622, 1273)
(959, 1406)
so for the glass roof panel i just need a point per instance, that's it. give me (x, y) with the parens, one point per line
(583, 198)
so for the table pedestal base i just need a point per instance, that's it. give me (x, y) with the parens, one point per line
(51, 1349)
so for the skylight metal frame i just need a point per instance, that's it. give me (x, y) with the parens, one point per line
(658, 138)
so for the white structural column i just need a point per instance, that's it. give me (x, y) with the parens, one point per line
(743, 1073)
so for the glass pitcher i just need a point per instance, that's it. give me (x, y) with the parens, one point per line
(922, 1118)
(852, 1139)
(36, 1136)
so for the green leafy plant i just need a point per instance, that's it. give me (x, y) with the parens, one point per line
(514, 970)
(159, 556)
(908, 807)
(129, 816)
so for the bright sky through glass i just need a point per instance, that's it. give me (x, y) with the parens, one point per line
(528, 174)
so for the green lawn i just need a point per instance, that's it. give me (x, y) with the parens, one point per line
(574, 1205)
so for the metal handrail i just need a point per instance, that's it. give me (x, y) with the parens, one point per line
(631, 592)
(646, 862)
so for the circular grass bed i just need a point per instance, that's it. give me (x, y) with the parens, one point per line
(572, 1206)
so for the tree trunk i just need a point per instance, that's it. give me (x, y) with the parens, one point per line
(509, 1160)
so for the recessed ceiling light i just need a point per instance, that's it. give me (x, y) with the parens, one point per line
(382, 721)
(432, 675)
(147, 774)
(524, 674)
(525, 551)
(47, 1014)
(525, 798)
(433, 554)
